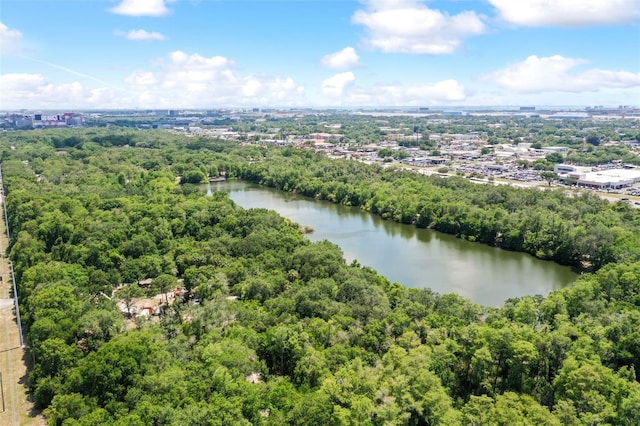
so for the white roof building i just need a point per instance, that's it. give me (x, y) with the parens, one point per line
(613, 178)
(568, 168)
(600, 179)
(610, 179)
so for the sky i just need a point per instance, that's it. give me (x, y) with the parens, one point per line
(205, 54)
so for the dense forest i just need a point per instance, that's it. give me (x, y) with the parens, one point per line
(274, 329)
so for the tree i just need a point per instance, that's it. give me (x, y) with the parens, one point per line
(549, 176)
(400, 155)
(319, 260)
(314, 408)
(592, 139)
(555, 157)
(193, 176)
(334, 344)
(128, 293)
(109, 373)
(163, 284)
(385, 152)
(69, 406)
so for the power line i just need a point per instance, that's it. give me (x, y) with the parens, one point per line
(13, 280)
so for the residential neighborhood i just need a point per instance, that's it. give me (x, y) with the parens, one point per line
(591, 148)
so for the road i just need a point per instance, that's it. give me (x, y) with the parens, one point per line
(15, 408)
(632, 200)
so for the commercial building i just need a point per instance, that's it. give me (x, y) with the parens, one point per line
(599, 179)
(576, 171)
(610, 179)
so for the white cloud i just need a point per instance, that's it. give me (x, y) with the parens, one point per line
(140, 35)
(537, 13)
(196, 61)
(141, 8)
(141, 78)
(336, 85)
(344, 59)
(418, 94)
(282, 89)
(34, 90)
(193, 80)
(180, 81)
(554, 74)
(20, 83)
(341, 89)
(409, 26)
(10, 40)
(251, 87)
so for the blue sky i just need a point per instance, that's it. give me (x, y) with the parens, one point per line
(263, 53)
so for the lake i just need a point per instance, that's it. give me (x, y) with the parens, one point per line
(420, 258)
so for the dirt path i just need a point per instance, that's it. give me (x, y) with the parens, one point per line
(15, 408)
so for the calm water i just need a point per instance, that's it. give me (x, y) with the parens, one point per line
(420, 258)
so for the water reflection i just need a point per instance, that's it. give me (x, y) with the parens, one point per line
(418, 258)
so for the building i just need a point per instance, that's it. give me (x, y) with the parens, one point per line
(610, 179)
(325, 136)
(567, 116)
(558, 149)
(48, 121)
(425, 161)
(22, 121)
(72, 119)
(599, 179)
(569, 168)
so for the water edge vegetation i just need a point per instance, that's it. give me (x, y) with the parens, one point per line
(284, 331)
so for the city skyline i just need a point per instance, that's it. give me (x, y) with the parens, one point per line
(141, 54)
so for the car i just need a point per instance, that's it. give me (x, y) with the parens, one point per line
(624, 199)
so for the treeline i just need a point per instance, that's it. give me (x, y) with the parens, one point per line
(284, 332)
(577, 229)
